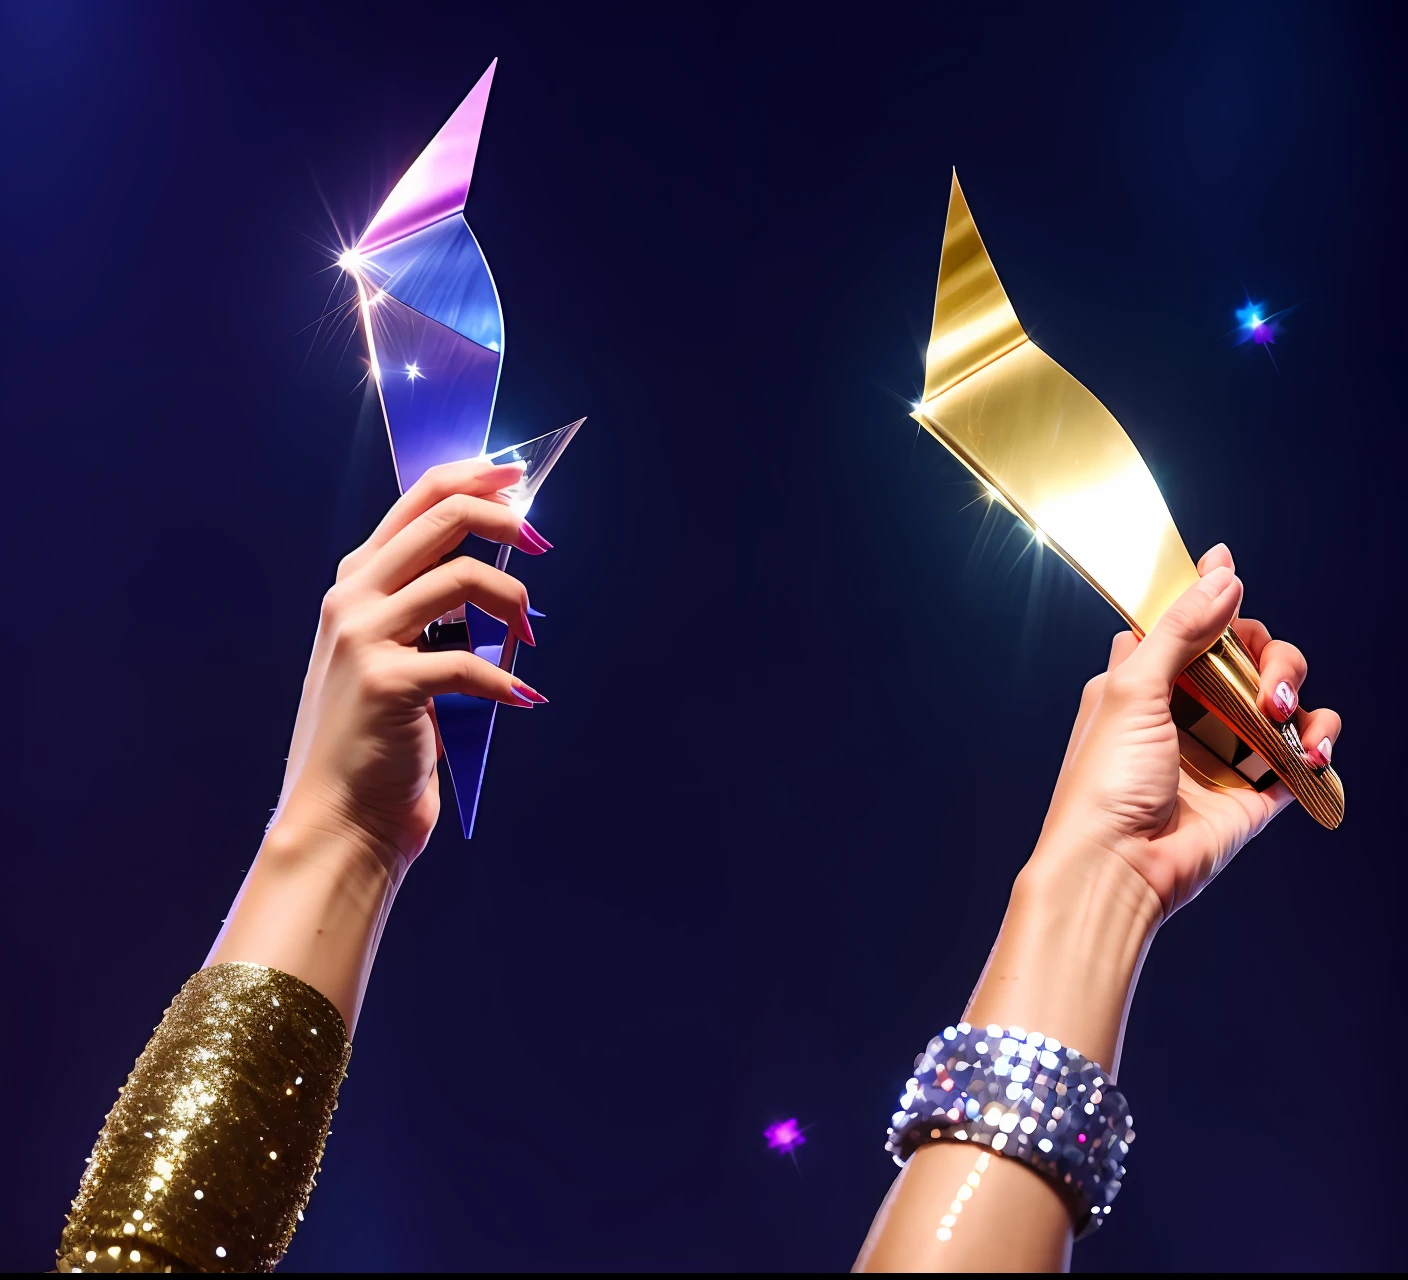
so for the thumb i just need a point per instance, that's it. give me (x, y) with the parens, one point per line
(1189, 627)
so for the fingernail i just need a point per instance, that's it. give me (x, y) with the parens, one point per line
(1285, 700)
(1323, 751)
(1215, 583)
(529, 695)
(535, 537)
(525, 628)
(1221, 546)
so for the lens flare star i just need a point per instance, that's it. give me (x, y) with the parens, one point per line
(413, 372)
(785, 1136)
(1256, 324)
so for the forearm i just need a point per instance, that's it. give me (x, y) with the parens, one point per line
(313, 905)
(1067, 959)
(207, 1159)
(1065, 963)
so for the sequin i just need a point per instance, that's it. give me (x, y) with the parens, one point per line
(207, 1146)
(971, 1089)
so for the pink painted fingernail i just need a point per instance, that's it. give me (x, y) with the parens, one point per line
(1324, 750)
(1285, 700)
(535, 537)
(529, 695)
(525, 628)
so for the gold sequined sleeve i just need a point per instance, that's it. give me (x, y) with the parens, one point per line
(208, 1158)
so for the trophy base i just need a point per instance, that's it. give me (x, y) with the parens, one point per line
(1226, 741)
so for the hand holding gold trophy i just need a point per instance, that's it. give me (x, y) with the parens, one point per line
(1055, 456)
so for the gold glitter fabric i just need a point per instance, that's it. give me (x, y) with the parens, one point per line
(208, 1158)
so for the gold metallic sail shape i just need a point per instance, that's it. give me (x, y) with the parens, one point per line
(1054, 454)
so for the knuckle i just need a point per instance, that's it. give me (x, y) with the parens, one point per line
(372, 677)
(1123, 686)
(350, 632)
(347, 564)
(455, 511)
(1181, 621)
(436, 481)
(334, 606)
(1117, 687)
(356, 627)
(467, 572)
(460, 505)
(436, 473)
(378, 682)
(1329, 721)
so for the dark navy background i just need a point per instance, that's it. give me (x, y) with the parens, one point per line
(807, 698)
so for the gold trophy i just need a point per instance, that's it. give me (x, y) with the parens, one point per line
(1051, 453)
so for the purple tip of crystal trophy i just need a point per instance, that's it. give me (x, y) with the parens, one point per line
(434, 330)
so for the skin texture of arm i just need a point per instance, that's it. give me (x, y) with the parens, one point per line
(207, 1160)
(1129, 839)
(361, 794)
(1066, 961)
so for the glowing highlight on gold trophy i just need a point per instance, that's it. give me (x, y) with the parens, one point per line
(1050, 452)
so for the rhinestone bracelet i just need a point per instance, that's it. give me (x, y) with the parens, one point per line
(1024, 1095)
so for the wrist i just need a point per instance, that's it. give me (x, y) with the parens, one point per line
(1064, 873)
(313, 905)
(309, 834)
(1078, 925)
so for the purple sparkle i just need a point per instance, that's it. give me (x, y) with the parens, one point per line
(786, 1135)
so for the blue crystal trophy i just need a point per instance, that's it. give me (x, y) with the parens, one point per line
(433, 325)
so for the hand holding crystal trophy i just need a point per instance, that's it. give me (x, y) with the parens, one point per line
(1051, 453)
(433, 325)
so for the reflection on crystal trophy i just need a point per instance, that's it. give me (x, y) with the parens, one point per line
(434, 332)
(1052, 454)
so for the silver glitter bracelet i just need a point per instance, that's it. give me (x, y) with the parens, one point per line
(1024, 1095)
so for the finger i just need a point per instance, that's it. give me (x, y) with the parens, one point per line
(447, 587)
(431, 536)
(1216, 557)
(1282, 674)
(1281, 797)
(1319, 731)
(1121, 647)
(1254, 635)
(474, 477)
(1188, 628)
(435, 724)
(455, 671)
(1089, 700)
